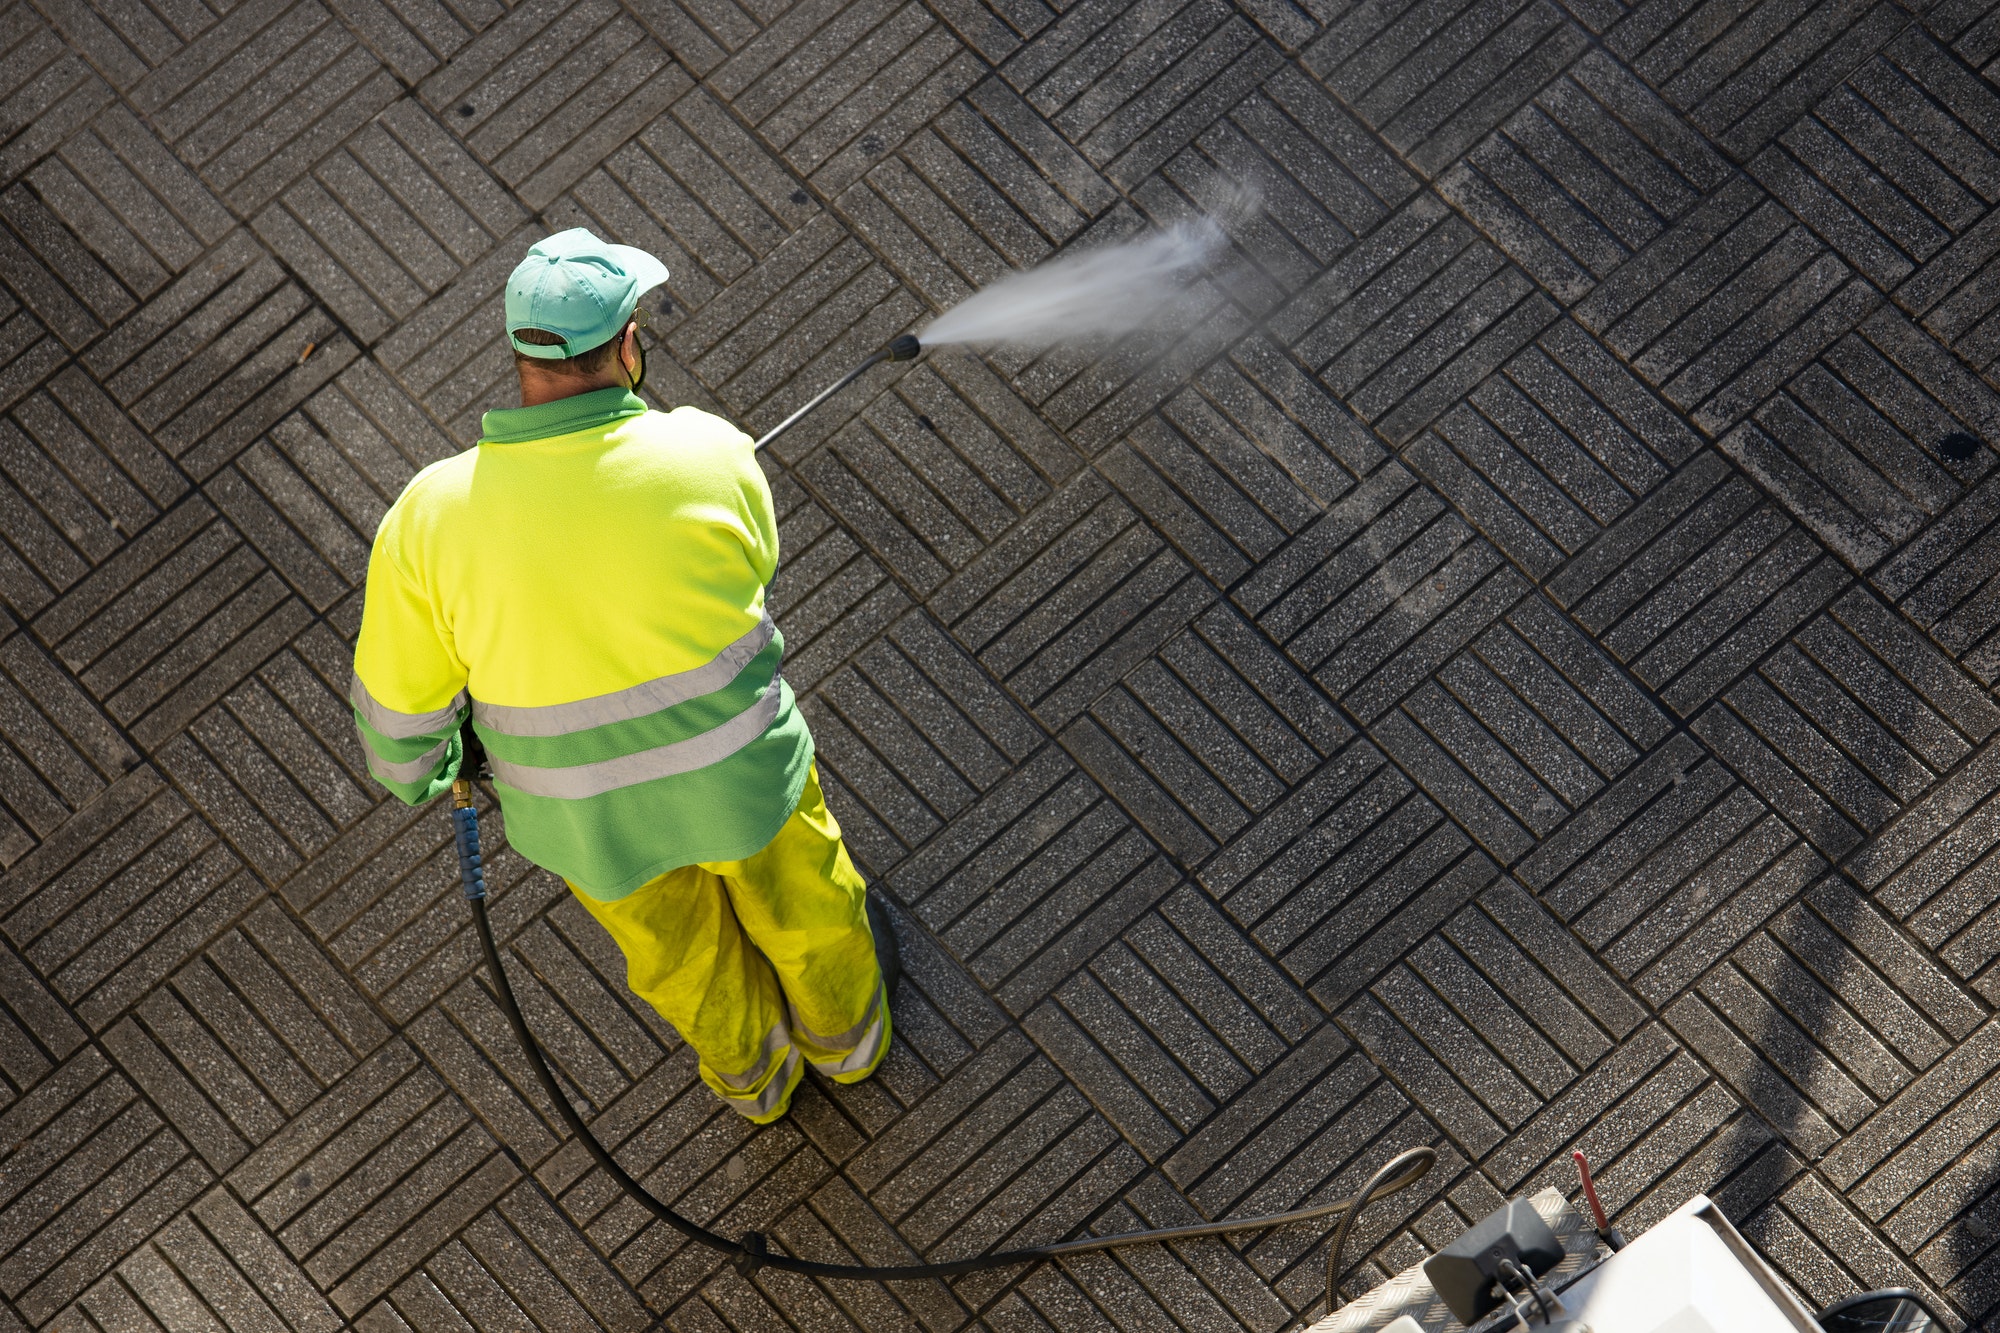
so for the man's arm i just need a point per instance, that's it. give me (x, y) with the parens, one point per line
(409, 686)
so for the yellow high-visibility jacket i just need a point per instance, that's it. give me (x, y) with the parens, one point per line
(589, 581)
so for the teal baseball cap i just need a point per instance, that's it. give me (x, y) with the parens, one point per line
(581, 288)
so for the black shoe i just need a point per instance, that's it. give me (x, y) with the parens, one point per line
(887, 956)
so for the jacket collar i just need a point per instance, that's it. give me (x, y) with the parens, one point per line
(564, 416)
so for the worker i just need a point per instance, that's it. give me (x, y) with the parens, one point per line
(589, 584)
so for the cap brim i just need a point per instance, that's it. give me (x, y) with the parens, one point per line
(646, 271)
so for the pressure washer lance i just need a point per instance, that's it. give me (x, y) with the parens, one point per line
(753, 1251)
(903, 347)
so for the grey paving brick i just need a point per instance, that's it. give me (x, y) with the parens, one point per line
(914, 731)
(354, 1182)
(1852, 169)
(1226, 504)
(987, 187)
(1948, 290)
(1126, 1014)
(130, 200)
(1541, 456)
(1131, 90)
(519, 1261)
(1713, 1146)
(81, 479)
(1696, 582)
(1927, 886)
(1604, 1114)
(1334, 898)
(1850, 445)
(1433, 87)
(1106, 398)
(698, 190)
(1410, 319)
(380, 225)
(1818, 1243)
(219, 354)
(53, 272)
(1013, 899)
(70, 228)
(1383, 586)
(1507, 737)
(1321, 181)
(926, 479)
(171, 623)
(1061, 623)
(1371, 1130)
(37, 1031)
(1582, 178)
(834, 605)
(379, 882)
(107, 922)
(1742, 77)
(258, 97)
(92, 1171)
(127, 43)
(673, 1138)
(212, 1262)
(50, 90)
(1216, 724)
(551, 90)
(451, 356)
(1824, 750)
(237, 1043)
(60, 748)
(834, 91)
(1732, 301)
(1670, 867)
(32, 352)
(771, 327)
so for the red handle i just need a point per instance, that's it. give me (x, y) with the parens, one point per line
(1590, 1192)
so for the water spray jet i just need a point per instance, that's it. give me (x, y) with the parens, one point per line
(1103, 292)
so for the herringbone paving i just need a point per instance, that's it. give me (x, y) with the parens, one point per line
(1512, 670)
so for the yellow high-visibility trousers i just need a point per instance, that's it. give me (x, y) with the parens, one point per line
(761, 963)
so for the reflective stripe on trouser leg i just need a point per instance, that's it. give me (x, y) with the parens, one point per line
(863, 1043)
(687, 956)
(803, 903)
(745, 1096)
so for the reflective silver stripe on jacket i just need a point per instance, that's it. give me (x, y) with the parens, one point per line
(634, 701)
(407, 770)
(402, 726)
(575, 782)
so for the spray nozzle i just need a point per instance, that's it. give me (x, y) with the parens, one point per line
(904, 347)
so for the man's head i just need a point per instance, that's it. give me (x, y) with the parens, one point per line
(571, 315)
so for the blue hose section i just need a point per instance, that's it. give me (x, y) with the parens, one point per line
(471, 874)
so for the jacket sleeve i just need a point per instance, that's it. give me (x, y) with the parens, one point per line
(409, 686)
(761, 515)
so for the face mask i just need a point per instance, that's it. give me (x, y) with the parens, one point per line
(639, 378)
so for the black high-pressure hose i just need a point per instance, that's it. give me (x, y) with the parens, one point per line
(753, 1251)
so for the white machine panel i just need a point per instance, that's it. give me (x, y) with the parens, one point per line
(1691, 1273)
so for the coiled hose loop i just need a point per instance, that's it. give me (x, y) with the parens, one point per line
(753, 1250)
